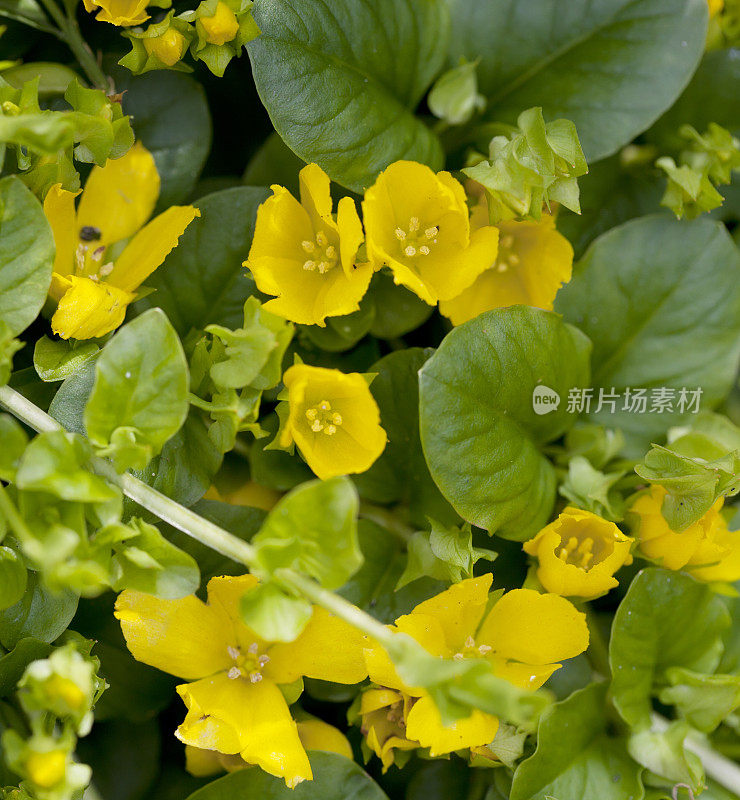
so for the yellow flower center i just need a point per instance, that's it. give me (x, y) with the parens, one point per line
(323, 419)
(585, 551)
(66, 690)
(247, 665)
(167, 47)
(222, 27)
(47, 769)
(507, 258)
(89, 260)
(321, 256)
(471, 650)
(417, 239)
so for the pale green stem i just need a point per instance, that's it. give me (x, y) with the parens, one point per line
(386, 519)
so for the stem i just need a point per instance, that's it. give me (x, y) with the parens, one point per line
(69, 31)
(386, 519)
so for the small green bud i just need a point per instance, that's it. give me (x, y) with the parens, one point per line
(454, 97)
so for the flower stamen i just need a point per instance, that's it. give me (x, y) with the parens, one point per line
(323, 419)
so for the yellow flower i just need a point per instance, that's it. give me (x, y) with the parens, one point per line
(47, 769)
(579, 553)
(533, 262)
(169, 47)
(707, 549)
(315, 734)
(93, 289)
(333, 419)
(235, 704)
(523, 637)
(305, 256)
(715, 6)
(417, 223)
(222, 27)
(119, 12)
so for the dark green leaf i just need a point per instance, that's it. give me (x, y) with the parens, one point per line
(13, 577)
(14, 663)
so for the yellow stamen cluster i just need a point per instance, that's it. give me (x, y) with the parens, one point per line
(322, 255)
(415, 241)
(323, 419)
(506, 258)
(89, 256)
(578, 552)
(471, 651)
(248, 665)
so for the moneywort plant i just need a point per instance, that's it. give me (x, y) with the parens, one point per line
(370, 408)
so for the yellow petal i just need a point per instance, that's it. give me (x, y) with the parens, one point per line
(374, 699)
(350, 233)
(252, 719)
(315, 188)
(119, 12)
(358, 439)
(150, 246)
(185, 637)
(120, 197)
(425, 726)
(59, 208)
(328, 649)
(727, 568)
(315, 734)
(526, 676)
(458, 610)
(202, 763)
(89, 309)
(534, 628)
(381, 670)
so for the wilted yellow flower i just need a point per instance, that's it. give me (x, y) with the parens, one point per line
(384, 714)
(417, 223)
(333, 419)
(93, 288)
(235, 705)
(119, 12)
(305, 256)
(579, 553)
(315, 734)
(533, 262)
(523, 637)
(707, 549)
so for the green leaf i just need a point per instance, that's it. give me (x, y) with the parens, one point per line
(147, 562)
(704, 701)
(14, 663)
(40, 614)
(454, 96)
(661, 287)
(693, 484)
(313, 530)
(56, 462)
(14, 441)
(664, 754)
(56, 360)
(667, 619)
(341, 82)
(203, 279)
(13, 577)
(141, 388)
(171, 118)
(591, 489)
(574, 755)
(401, 475)
(26, 255)
(26, 11)
(533, 54)
(397, 310)
(480, 395)
(334, 778)
(273, 615)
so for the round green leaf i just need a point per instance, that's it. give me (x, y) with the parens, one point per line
(13, 577)
(334, 778)
(611, 67)
(340, 81)
(203, 280)
(26, 255)
(660, 300)
(480, 395)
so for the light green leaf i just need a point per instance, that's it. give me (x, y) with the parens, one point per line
(591, 489)
(165, 571)
(574, 752)
(704, 701)
(26, 255)
(13, 577)
(661, 288)
(664, 754)
(667, 619)
(14, 441)
(273, 615)
(533, 54)
(341, 82)
(313, 530)
(140, 396)
(334, 778)
(56, 360)
(401, 475)
(481, 433)
(203, 279)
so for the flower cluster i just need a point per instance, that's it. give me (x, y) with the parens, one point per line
(418, 225)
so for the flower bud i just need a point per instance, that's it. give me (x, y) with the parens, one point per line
(222, 27)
